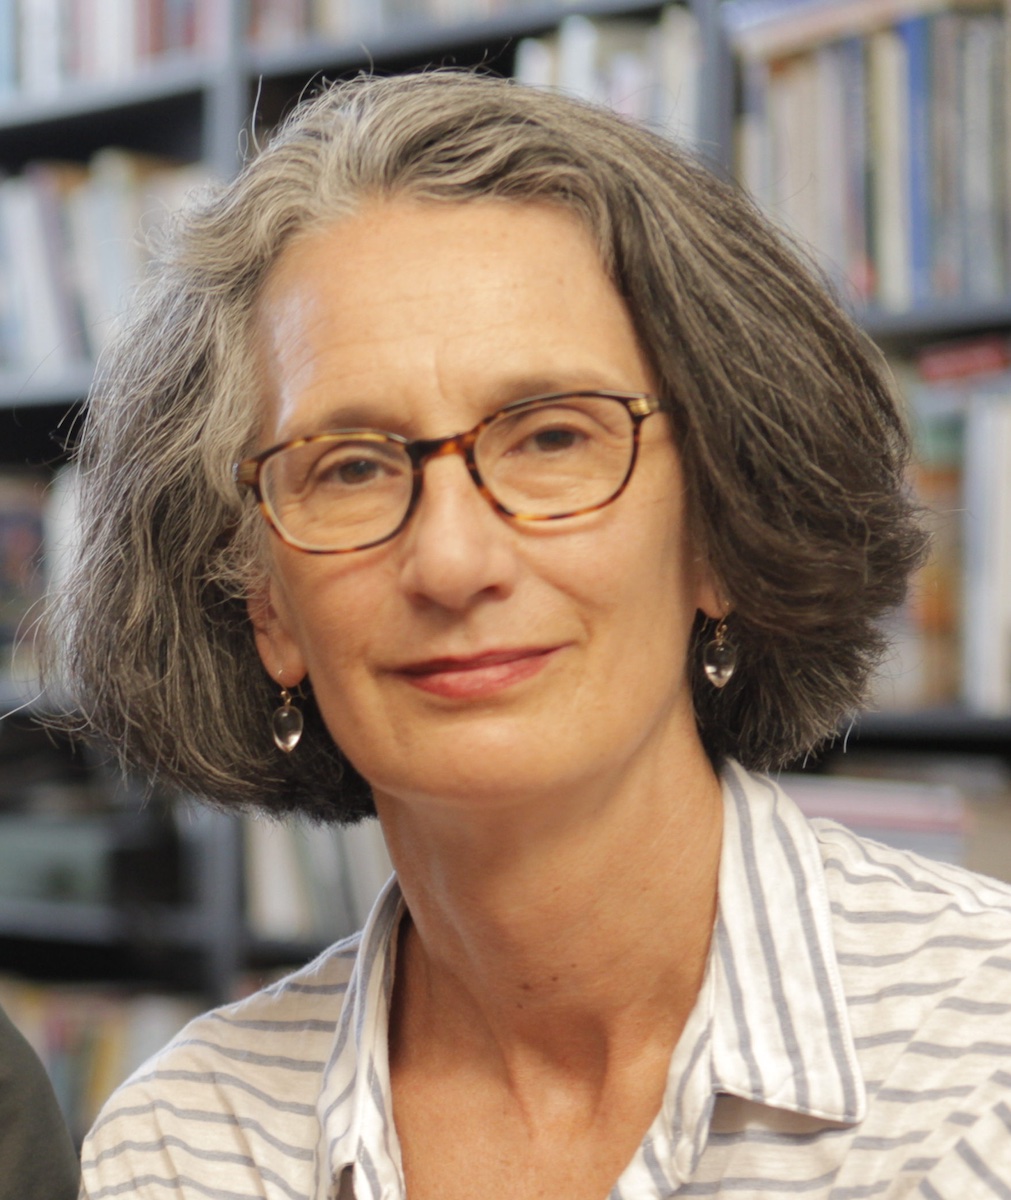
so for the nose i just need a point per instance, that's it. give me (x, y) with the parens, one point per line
(456, 548)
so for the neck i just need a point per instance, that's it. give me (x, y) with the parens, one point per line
(574, 931)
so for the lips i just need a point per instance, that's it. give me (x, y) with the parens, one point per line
(480, 675)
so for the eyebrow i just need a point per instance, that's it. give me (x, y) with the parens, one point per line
(377, 415)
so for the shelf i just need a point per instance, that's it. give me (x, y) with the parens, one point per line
(92, 924)
(169, 78)
(942, 319)
(161, 111)
(25, 388)
(183, 928)
(270, 952)
(417, 40)
(933, 729)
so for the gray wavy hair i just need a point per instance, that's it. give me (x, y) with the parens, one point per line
(792, 444)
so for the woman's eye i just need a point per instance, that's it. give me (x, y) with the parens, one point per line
(556, 439)
(359, 471)
(347, 472)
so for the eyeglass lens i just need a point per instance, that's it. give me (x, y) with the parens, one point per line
(545, 460)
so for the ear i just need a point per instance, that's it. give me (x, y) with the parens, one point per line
(273, 633)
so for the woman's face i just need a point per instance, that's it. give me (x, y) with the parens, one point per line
(471, 660)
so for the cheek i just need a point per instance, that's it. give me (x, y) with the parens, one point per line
(333, 609)
(638, 579)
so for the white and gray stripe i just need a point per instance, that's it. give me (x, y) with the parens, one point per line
(852, 1039)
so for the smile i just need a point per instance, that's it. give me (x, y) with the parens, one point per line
(481, 675)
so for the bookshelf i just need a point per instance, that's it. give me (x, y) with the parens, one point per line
(190, 100)
(877, 132)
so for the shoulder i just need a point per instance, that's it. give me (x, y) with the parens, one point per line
(908, 898)
(900, 920)
(924, 956)
(232, 1096)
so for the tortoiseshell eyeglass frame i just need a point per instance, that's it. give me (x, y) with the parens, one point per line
(638, 405)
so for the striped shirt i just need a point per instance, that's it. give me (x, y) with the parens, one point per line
(852, 1038)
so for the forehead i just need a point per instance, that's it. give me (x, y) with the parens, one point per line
(430, 307)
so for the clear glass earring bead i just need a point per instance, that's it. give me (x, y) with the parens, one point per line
(286, 725)
(719, 660)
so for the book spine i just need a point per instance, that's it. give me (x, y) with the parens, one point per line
(982, 251)
(889, 125)
(853, 82)
(945, 192)
(915, 35)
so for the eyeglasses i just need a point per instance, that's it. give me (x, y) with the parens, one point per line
(540, 459)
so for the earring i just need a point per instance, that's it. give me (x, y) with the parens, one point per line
(286, 723)
(719, 657)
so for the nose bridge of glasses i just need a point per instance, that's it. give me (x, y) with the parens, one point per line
(425, 449)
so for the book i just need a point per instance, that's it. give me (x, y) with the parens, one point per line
(982, 164)
(980, 817)
(53, 185)
(773, 28)
(896, 166)
(277, 901)
(936, 595)
(946, 214)
(987, 580)
(108, 222)
(367, 866)
(604, 61)
(889, 139)
(915, 35)
(953, 638)
(311, 884)
(674, 47)
(793, 99)
(91, 1039)
(37, 340)
(858, 268)
(42, 48)
(646, 70)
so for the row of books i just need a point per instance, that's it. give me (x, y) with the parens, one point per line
(878, 133)
(952, 807)
(952, 642)
(47, 44)
(91, 1038)
(71, 250)
(273, 22)
(311, 884)
(646, 69)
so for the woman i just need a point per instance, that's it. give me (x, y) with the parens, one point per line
(577, 501)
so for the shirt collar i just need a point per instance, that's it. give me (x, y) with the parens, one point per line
(783, 1037)
(355, 1106)
(770, 1023)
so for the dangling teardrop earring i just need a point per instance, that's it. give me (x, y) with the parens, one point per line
(286, 723)
(719, 656)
